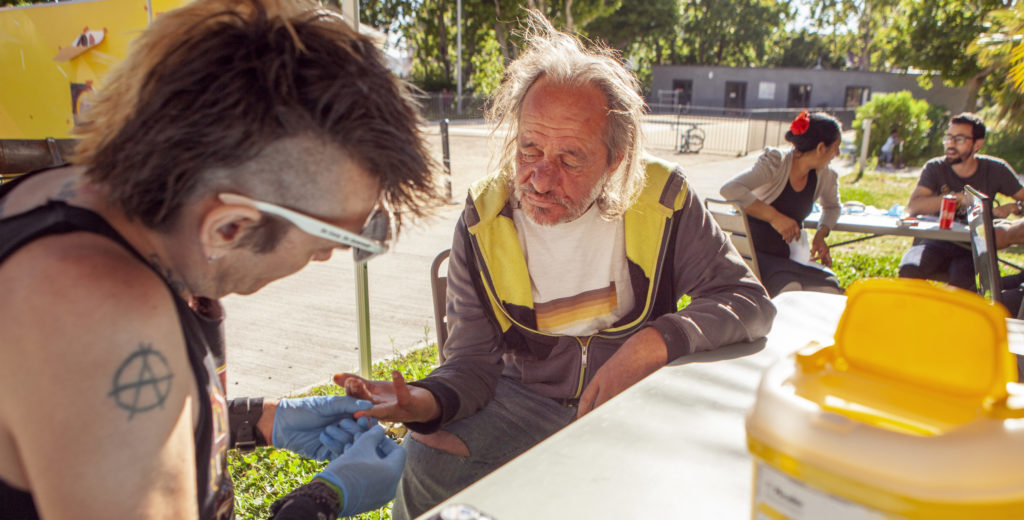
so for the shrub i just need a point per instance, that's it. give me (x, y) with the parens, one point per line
(912, 118)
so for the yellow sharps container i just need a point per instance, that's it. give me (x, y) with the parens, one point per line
(913, 412)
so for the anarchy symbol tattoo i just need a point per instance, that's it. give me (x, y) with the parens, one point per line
(143, 381)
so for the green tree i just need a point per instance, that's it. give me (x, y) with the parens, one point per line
(488, 67)
(1001, 49)
(804, 49)
(637, 22)
(934, 35)
(729, 32)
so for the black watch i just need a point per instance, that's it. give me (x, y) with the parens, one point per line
(243, 414)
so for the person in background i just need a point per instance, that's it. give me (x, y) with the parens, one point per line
(565, 274)
(778, 193)
(961, 166)
(229, 126)
(889, 146)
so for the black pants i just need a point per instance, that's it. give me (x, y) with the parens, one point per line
(937, 260)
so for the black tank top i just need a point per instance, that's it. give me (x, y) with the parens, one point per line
(203, 339)
(791, 203)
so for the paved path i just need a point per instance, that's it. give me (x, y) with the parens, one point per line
(298, 331)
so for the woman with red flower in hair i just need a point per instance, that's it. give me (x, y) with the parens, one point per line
(778, 194)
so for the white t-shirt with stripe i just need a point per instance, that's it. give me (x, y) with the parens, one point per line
(578, 272)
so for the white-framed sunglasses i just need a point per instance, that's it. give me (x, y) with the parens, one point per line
(366, 245)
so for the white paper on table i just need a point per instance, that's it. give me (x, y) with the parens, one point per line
(800, 252)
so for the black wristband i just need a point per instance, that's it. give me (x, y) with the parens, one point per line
(313, 500)
(243, 414)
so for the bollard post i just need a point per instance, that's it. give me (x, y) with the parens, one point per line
(447, 160)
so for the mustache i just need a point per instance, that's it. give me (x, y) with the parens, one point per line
(526, 189)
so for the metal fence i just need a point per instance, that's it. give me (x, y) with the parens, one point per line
(683, 128)
(722, 130)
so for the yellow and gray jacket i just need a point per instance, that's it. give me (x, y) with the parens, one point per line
(673, 248)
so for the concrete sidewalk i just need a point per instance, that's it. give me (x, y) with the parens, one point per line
(298, 331)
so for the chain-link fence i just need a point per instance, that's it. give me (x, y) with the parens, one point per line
(684, 128)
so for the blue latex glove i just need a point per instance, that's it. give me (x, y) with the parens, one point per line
(367, 473)
(338, 437)
(299, 423)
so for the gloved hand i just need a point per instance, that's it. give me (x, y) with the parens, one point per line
(367, 473)
(338, 437)
(300, 423)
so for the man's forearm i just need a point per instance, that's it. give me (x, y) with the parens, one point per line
(924, 205)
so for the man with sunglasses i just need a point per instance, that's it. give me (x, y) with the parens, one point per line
(565, 275)
(235, 144)
(961, 166)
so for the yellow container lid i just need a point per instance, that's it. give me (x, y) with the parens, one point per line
(912, 355)
(915, 398)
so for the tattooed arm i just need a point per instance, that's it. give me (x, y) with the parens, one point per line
(99, 400)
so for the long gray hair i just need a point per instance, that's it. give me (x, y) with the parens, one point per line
(564, 60)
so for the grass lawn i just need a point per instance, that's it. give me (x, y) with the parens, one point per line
(267, 474)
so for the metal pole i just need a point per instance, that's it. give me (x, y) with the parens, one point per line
(447, 159)
(458, 60)
(350, 12)
(363, 314)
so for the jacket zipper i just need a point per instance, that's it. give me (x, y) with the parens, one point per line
(584, 347)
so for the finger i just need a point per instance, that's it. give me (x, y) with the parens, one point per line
(384, 412)
(337, 405)
(336, 439)
(353, 427)
(387, 446)
(392, 453)
(586, 400)
(369, 439)
(402, 394)
(340, 379)
(357, 388)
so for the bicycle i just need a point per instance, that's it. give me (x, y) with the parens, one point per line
(690, 140)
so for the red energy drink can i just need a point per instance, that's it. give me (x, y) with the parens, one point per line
(947, 212)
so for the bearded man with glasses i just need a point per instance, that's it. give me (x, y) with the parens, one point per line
(240, 140)
(961, 166)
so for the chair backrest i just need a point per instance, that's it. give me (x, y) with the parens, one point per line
(733, 220)
(983, 244)
(439, 293)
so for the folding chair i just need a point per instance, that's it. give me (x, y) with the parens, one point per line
(733, 220)
(983, 244)
(986, 259)
(439, 293)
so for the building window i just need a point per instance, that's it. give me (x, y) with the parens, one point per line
(857, 96)
(799, 96)
(735, 94)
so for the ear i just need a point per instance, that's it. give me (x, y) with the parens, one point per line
(223, 225)
(616, 161)
(822, 148)
(977, 144)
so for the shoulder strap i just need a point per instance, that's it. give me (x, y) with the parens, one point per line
(54, 218)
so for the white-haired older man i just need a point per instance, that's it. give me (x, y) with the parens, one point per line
(564, 277)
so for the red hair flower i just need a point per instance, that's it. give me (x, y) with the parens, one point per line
(800, 124)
